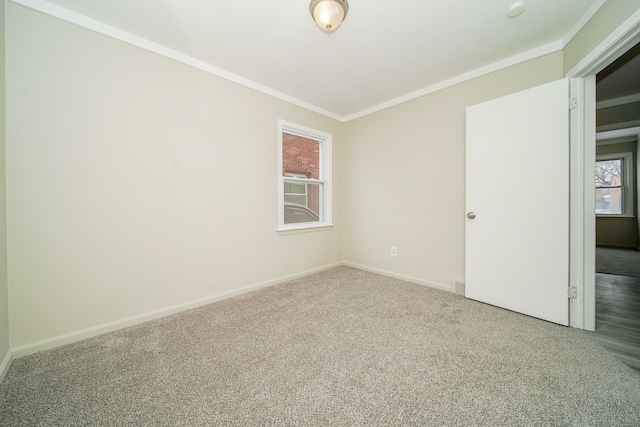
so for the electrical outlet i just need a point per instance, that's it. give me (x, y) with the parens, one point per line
(394, 251)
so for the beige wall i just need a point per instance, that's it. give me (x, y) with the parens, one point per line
(4, 306)
(618, 117)
(617, 232)
(136, 183)
(608, 18)
(404, 184)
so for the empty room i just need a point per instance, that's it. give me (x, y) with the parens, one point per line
(315, 212)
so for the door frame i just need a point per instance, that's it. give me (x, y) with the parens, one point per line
(582, 243)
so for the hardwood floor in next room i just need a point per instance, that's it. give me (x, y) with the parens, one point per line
(618, 316)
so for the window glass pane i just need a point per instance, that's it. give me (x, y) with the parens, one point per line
(314, 198)
(304, 208)
(296, 198)
(295, 192)
(609, 173)
(300, 157)
(295, 188)
(609, 201)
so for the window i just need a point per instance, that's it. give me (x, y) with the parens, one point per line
(304, 177)
(614, 185)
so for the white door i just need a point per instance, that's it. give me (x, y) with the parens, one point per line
(517, 187)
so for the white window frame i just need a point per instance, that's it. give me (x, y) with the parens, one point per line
(325, 181)
(627, 183)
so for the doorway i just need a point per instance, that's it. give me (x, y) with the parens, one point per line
(617, 261)
(582, 166)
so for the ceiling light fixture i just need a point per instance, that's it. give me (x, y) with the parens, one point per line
(515, 9)
(329, 14)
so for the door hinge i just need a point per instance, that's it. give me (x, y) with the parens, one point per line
(573, 103)
(573, 292)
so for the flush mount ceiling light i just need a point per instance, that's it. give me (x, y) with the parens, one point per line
(329, 14)
(515, 9)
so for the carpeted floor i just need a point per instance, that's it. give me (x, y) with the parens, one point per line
(621, 262)
(341, 347)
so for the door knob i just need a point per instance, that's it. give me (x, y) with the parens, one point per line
(471, 215)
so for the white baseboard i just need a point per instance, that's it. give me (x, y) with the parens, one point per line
(415, 280)
(6, 364)
(75, 336)
(457, 286)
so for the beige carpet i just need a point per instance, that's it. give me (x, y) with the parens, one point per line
(343, 347)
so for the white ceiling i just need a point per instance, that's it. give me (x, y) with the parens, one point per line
(384, 51)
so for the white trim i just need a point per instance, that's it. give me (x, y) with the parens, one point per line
(297, 180)
(107, 30)
(434, 285)
(588, 249)
(6, 364)
(620, 133)
(458, 286)
(623, 100)
(303, 131)
(583, 21)
(601, 142)
(305, 229)
(478, 72)
(582, 203)
(75, 336)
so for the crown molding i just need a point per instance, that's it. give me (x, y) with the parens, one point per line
(478, 72)
(131, 39)
(67, 15)
(582, 21)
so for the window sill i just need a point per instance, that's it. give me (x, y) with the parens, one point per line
(303, 229)
(616, 216)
